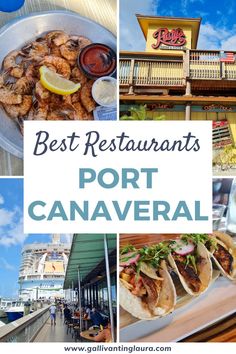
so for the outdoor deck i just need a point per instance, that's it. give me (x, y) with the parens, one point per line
(53, 333)
(146, 72)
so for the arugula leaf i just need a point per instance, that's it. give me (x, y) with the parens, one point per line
(154, 254)
(203, 238)
(127, 248)
(190, 259)
(125, 259)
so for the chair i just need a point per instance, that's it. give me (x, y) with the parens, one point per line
(69, 327)
(76, 332)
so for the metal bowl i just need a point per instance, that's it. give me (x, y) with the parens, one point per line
(25, 29)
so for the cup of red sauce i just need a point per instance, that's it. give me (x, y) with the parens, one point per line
(97, 60)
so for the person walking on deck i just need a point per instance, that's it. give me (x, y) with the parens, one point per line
(52, 310)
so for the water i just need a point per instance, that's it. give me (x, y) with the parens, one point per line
(4, 319)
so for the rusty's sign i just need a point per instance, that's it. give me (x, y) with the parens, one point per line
(174, 37)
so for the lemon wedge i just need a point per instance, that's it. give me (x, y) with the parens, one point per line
(55, 83)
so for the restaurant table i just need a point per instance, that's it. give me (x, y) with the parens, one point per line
(222, 331)
(76, 319)
(101, 11)
(86, 334)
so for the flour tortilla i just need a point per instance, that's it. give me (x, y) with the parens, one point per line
(139, 309)
(205, 274)
(227, 242)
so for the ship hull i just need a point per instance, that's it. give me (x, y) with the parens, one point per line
(13, 316)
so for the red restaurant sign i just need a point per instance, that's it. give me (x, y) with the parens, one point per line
(175, 37)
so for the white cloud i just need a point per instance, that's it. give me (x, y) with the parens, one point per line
(6, 217)
(214, 37)
(11, 228)
(131, 36)
(5, 265)
(184, 5)
(229, 43)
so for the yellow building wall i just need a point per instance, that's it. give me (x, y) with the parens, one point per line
(158, 72)
(166, 115)
(150, 40)
(203, 116)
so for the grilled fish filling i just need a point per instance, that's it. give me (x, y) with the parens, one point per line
(188, 272)
(224, 258)
(142, 286)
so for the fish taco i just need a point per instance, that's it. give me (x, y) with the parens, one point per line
(190, 260)
(221, 249)
(224, 254)
(146, 288)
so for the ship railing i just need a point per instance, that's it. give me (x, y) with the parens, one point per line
(26, 328)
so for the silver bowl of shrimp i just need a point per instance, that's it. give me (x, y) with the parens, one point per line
(53, 39)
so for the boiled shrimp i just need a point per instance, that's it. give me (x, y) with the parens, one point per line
(64, 112)
(10, 65)
(70, 50)
(35, 50)
(38, 111)
(55, 99)
(32, 72)
(57, 37)
(55, 51)
(24, 86)
(67, 99)
(41, 92)
(9, 97)
(61, 65)
(75, 97)
(2, 80)
(86, 97)
(41, 113)
(81, 113)
(19, 110)
(78, 76)
(82, 41)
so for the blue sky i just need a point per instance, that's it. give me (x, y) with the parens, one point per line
(12, 237)
(218, 29)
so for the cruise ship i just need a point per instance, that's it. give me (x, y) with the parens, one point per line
(42, 270)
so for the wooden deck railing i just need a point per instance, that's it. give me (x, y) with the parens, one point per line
(196, 65)
(151, 72)
(208, 65)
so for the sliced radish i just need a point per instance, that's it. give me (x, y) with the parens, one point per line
(181, 248)
(133, 258)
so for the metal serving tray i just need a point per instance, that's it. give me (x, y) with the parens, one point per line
(25, 29)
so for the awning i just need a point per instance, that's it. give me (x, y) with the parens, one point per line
(87, 252)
